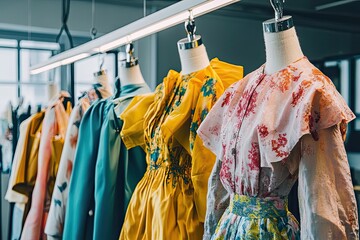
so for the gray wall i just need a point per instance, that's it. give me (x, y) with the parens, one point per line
(46, 15)
(240, 41)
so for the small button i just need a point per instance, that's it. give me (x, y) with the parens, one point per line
(91, 212)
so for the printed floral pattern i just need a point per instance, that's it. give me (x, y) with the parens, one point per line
(253, 225)
(56, 217)
(174, 154)
(272, 113)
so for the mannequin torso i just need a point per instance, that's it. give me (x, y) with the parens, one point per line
(130, 75)
(193, 59)
(282, 48)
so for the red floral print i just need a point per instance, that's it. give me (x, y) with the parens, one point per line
(280, 143)
(296, 78)
(263, 131)
(243, 101)
(226, 99)
(296, 96)
(215, 130)
(252, 104)
(225, 173)
(254, 157)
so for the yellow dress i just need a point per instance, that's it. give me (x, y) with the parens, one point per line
(170, 200)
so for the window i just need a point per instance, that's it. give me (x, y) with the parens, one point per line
(16, 57)
(338, 72)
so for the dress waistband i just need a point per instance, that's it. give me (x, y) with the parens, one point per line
(255, 207)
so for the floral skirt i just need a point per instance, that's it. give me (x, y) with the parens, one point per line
(257, 218)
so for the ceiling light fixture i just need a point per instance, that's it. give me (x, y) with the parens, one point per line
(334, 4)
(153, 23)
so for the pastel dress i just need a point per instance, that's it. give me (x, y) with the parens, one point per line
(51, 144)
(55, 222)
(26, 153)
(169, 201)
(267, 131)
(56, 217)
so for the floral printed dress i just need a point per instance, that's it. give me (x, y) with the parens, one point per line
(169, 202)
(56, 218)
(267, 131)
(50, 148)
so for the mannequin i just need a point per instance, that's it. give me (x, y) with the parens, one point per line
(192, 52)
(101, 77)
(281, 43)
(102, 87)
(129, 69)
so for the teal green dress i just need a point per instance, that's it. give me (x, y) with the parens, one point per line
(98, 183)
(117, 172)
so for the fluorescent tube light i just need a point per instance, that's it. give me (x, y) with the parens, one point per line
(153, 23)
(333, 4)
(45, 68)
(59, 63)
(112, 45)
(210, 6)
(74, 58)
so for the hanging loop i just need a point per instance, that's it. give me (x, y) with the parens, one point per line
(102, 61)
(278, 6)
(192, 40)
(190, 27)
(129, 52)
(130, 60)
(93, 32)
(279, 23)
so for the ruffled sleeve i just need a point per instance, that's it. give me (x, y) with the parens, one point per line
(313, 105)
(132, 132)
(326, 196)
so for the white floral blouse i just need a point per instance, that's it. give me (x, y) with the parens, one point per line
(269, 130)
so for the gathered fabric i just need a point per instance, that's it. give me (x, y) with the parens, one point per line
(169, 202)
(257, 218)
(269, 130)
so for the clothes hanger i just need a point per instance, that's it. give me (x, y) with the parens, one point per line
(279, 23)
(192, 40)
(130, 60)
(101, 70)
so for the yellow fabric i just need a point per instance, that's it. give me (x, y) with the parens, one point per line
(202, 158)
(26, 173)
(133, 120)
(170, 201)
(57, 143)
(11, 195)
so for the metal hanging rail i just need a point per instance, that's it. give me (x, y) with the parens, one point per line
(158, 21)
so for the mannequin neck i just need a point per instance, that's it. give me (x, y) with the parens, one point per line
(131, 75)
(282, 48)
(193, 60)
(105, 88)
